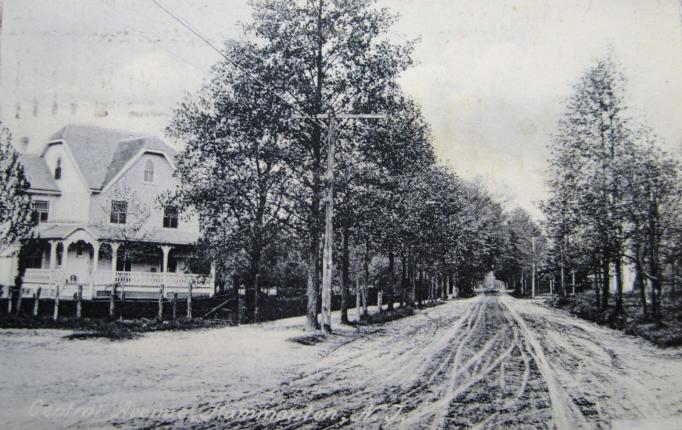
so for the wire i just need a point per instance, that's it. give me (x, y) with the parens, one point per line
(235, 64)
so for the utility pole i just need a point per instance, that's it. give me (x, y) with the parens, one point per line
(327, 261)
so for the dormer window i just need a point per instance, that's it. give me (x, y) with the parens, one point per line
(149, 172)
(58, 169)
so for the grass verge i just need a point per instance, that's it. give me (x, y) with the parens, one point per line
(666, 333)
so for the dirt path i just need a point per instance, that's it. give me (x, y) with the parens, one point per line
(487, 362)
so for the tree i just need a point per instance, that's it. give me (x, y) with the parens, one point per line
(15, 202)
(326, 56)
(525, 247)
(615, 194)
(586, 183)
(653, 198)
(233, 169)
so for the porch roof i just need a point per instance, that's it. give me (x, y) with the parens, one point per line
(160, 236)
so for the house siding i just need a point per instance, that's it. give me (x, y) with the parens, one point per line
(74, 203)
(145, 196)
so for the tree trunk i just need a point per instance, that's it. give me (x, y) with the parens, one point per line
(444, 292)
(55, 311)
(345, 277)
(391, 280)
(366, 270)
(159, 315)
(256, 299)
(312, 286)
(606, 276)
(189, 300)
(112, 302)
(596, 288)
(36, 302)
(420, 287)
(654, 265)
(654, 300)
(358, 297)
(619, 285)
(673, 279)
(413, 280)
(563, 278)
(403, 280)
(79, 302)
(639, 284)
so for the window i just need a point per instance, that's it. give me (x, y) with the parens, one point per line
(58, 169)
(119, 211)
(170, 217)
(40, 211)
(149, 172)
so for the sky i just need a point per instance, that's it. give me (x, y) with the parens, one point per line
(492, 76)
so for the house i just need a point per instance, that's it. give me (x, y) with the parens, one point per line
(100, 221)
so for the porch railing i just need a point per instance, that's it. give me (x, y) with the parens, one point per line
(44, 277)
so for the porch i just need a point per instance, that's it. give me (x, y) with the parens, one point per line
(131, 285)
(81, 258)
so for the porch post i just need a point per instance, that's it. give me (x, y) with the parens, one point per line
(166, 250)
(53, 261)
(65, 254)
(114, 255)
(53, 254)
(95, 255)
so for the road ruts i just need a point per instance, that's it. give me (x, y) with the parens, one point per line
(489, 362)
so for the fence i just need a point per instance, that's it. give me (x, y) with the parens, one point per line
(270, 307)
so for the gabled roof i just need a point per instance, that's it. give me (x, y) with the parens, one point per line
(128, 149)
(101, 153)
(38, 174)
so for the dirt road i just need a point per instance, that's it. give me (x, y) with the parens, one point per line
(487, 362)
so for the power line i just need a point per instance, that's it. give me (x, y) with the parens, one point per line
(235, 64)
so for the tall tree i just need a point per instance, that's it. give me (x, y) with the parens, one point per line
(652, 196)
(15, 202)
(326, 56)
(584, 174)
(232, 169)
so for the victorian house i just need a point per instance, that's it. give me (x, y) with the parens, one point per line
(100, 219)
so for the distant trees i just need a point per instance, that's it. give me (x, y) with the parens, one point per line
(15, 202)
(525, 250)
(611, 190)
